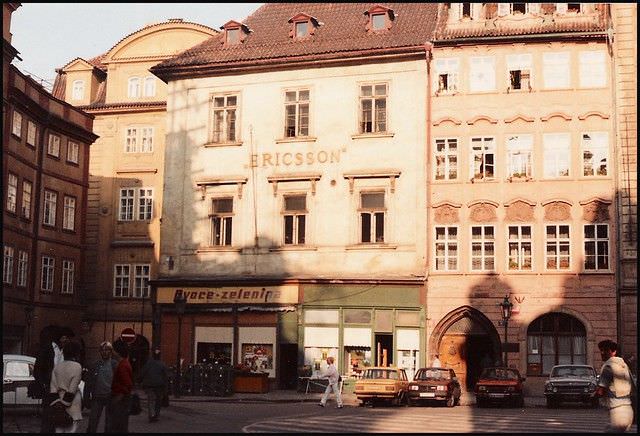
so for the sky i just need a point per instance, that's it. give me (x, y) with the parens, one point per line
(49, 35)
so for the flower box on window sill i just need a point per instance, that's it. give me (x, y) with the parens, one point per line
(519, 178)
(373, 135)
(296, 139)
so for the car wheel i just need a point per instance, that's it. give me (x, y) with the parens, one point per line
(451, 401)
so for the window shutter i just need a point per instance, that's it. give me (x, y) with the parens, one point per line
(561, 8)
(534, 8)
(504, 9)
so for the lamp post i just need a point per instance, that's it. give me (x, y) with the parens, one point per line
(506, 307)
(180, 301)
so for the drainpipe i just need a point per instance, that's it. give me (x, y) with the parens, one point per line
(428, 47)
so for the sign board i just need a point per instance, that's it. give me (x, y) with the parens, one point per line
(128, 335)
(283, 294)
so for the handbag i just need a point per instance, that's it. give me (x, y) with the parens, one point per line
(134, 405)
(58, 415)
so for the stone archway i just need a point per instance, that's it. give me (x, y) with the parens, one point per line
(466, 341)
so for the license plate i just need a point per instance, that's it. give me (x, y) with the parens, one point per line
(427, 394)
(497, 395)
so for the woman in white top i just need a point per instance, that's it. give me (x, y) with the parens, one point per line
(65, 381)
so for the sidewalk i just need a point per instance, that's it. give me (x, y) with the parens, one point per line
(292, 396)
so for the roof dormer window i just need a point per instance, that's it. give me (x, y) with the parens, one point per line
(232, 36)
(303, 25)
(519, 8)
(380, 18)
(234, 33)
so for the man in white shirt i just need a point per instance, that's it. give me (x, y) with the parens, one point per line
(334, 378)
(615, 385)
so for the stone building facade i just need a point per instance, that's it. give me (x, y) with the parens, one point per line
(522, 193)
(126, 172)
(45, 155)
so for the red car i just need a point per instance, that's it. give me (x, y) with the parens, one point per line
(500, 385)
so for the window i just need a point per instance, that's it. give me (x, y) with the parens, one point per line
(596, 247)
(221, 221)
(7, 265)
(139, 139)
(23, 265)
(233, 36)
(482, 248)
(141, 281)
(12, 192)
(520, 248)
(73, 150)
(69, 217)
(121, 281)
(483, 157)
(595, 152)
(557, 154)
(593, 72)
(467, 10)
(519, 67)
(77, 90)
(446, 248)
(46, 279)
(447, 75)
(50, 203)
(133, 88)
(145, 203)
(295, 215)
(302, 29)
(518, 8)
(482, 74)
(555, 339)
(378, 22)
(519, 155)
(574, 7)
(27, 188)
(558, 247)
(372, 212)
(296, 108)
(373, 108)
(556, 69)
(149, 86)
(31, 133)
(126, 204)
(68, 269)
(225, 108)
(16, 127)
(446, 159)
(53, 146)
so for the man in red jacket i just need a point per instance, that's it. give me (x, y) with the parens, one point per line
(120, 390)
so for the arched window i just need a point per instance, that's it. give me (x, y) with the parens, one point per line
(134, 87)
(149, 86)
(555, 339)
(78, 90)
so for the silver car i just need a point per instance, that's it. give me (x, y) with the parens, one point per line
(17, 374)
(571, 383)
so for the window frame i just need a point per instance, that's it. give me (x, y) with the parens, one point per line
(69, 213)
(297, 216)
(297, 104)
(557, 242)
(372, 99)
(595, 240)
(53, 145)
(141, 288)
(32, 133)
(16, 124)
(7, 264)
(520, 62)
(68, 277)
(523, 145)
(490, 149)
(232, 35)
(134, 87)
(149, 86)
(11, 204)
(222, 136)
(225, 218)
(483, 240)
(47, 273)
(138, 139)
(554, 146)
(587, 66)
(145, 203)
(475, 74)
(445, 156)
(604, 135)
(521, 256)
(119, 279)
(553, 60)
(50, 208)
(27, 199)
(373, 212)
(451, 68)
(446, 257)
(77, 90)
(23, 268)
(73, 152)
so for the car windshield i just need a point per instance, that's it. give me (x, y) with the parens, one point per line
(573, 371)
(499, 374)
(380, 373)
(433, 374)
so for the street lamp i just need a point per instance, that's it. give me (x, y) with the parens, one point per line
(506, 307)
(180, 301)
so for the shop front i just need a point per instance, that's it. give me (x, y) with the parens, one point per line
(362, 325)
(248, 327)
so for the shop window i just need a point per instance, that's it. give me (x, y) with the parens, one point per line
(407, 318)
(358, 359)
(384, 321)
(218, 353)
(321, 316)
(258, 357)
(555, 339)
(357, 316)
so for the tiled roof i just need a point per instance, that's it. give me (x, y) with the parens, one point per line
(59, 86)
(123, 105)
(97, 62)
(342, 31)
(544, 24)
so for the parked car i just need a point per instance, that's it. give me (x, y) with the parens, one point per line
(500, 385)
(434, 385)
(382, 383)
(571, 383)
(17, 373)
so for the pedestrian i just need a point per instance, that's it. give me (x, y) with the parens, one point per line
(98, 387)
(121, 386)
(65, 381)
(615, 386)
(334, 379)
(52, 341)
(436, 361)
(154, 382)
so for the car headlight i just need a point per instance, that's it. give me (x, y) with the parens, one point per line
(389, 388)
(555, 389)
(482, 388)
(414, 387)
(548, 386)
(441, 388)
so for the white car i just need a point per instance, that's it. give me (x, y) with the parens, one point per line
(17, 373)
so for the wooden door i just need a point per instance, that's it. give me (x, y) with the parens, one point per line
(453, 355)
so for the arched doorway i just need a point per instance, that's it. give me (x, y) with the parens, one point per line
(466, 341)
